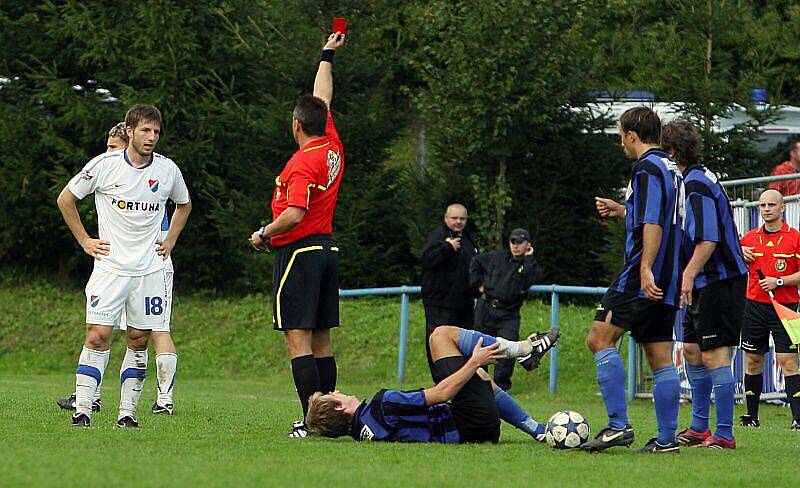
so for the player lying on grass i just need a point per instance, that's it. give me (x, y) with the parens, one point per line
(464, 406)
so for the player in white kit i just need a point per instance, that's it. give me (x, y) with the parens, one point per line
(166, 355)
(131, 188)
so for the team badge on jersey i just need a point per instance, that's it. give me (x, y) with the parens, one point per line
(94, 300)
(153, 185)
(366, 434)
(780, 265)
(86, 175)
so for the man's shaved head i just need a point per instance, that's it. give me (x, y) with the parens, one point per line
(773, 196)
(771, 207)
(455, 217)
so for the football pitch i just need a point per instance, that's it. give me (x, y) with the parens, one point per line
(235, 401)
(233, 432)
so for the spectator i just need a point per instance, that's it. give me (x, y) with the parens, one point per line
(790, 166)
(503, 278)
(445, 261)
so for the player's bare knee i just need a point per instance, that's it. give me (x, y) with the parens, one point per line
(98, 337)
(162, 342)
(598, 338)
(137, 339)
(754, 363)
(691, 353)
(298, 342)
(788, 363)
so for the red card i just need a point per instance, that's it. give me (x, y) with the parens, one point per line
(339, 25)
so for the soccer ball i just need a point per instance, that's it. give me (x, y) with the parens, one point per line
(566, 430)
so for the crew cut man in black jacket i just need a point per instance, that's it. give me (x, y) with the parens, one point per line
(445, 261)
(502, 278)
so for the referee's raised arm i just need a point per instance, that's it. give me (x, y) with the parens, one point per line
(323, 83)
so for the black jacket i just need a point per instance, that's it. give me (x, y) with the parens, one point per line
(503, 277)
(445, 272)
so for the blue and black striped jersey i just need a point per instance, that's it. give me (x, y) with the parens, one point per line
(403, 416)
(709, 217)
(655, 196)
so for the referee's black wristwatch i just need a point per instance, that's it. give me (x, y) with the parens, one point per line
(261, 234)
(779, 282)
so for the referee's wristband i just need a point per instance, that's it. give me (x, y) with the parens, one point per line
(327, 55)
(261, 233)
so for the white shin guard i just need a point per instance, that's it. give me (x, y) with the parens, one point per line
(166, 365)
(131, 377)
(88, 377)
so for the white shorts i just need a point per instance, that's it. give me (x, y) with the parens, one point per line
(142, 302)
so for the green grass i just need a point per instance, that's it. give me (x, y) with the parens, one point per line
(235, 400)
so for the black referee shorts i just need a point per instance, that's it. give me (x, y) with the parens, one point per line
(305, 277)
(647, 320)
(474, 407)
(759, 321)
(714, 319)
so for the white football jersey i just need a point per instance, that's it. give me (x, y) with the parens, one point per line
(131, 207)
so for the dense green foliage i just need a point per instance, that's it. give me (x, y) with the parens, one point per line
(436, 101)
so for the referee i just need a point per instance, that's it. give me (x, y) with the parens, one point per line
(305, 272)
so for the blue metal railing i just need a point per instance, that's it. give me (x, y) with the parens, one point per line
(554, 290)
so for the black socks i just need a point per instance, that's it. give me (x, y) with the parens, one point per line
(306, 378)
(327, 374)
(753, 383)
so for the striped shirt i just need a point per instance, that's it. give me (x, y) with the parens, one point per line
(403, 416)
(655, 196)
(709, 217)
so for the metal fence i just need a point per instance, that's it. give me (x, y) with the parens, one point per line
(744, 200)
(554, 290)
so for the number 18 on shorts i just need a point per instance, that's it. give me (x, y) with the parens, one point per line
(143, 299)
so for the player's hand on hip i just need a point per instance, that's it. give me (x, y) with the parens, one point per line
(257, 242)
(334, 40)
(486, 355)
(608, 208)
(96, 247)
(455, 242)
(649, 287)
(769, 283)
(749, 254)
(164, 248)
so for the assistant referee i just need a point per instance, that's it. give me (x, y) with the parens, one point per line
(305, 272)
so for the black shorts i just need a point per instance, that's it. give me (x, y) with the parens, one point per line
(759, 321)
(474, 407)
(646, 320)
(436, 316)
(305, 278)
(714, 319)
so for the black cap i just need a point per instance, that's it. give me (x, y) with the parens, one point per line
(519, 235)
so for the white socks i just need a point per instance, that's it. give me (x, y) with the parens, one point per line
(166, 364)
(131, 377)
(88, 377)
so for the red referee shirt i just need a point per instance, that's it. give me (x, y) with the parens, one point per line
(310, 180)
(777, 255)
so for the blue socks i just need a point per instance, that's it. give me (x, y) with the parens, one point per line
(667, 396)
(468, 338)
(724, 390)
(701, 396)
(611, 376)
(511, 412)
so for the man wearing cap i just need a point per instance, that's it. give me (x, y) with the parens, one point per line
(503, 279)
